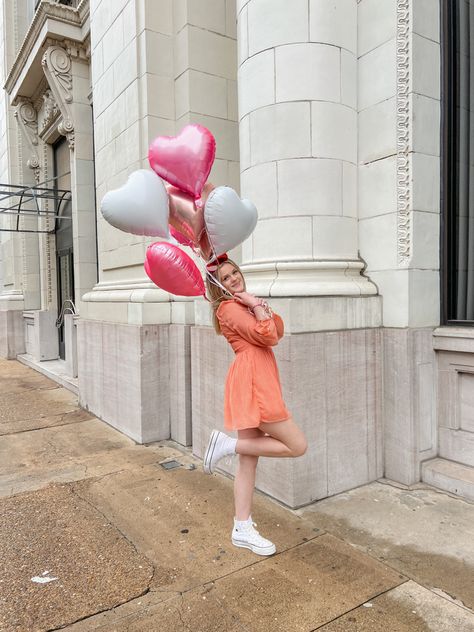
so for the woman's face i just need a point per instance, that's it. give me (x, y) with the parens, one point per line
(231, 278)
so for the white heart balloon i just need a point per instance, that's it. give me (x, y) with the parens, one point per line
(140, 206)
(229, 220)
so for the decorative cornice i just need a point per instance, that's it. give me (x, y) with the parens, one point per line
(57, 67)
(403, 133)
(26, 116)
(47, 9)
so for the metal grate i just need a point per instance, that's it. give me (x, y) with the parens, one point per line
(25, 202)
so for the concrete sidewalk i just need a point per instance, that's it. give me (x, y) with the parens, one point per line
(95, 534)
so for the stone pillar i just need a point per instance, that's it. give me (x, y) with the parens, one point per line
(298, 140)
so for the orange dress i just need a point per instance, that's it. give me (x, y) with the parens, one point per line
(252, 389)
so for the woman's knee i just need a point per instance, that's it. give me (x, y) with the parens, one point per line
(299, 448)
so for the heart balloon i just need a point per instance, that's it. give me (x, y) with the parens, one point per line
(173, 270)
(140, 206)
(180, 238)
(187, 218)
(185, 160)
(229, 220)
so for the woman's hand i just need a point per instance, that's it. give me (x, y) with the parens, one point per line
(247, 299)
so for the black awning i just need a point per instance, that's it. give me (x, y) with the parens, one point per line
(28, 202)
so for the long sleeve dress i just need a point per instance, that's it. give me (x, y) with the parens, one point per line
(252, 390)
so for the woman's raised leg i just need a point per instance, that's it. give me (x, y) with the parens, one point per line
(285, 440)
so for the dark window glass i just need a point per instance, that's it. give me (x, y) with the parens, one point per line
(457, 47)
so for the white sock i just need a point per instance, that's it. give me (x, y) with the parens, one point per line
(240, 524)
(229, 444)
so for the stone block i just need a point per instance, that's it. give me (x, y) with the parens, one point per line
(335, 238)
(377, 187)
(158, 96)
(259, 184)
(425, 135)
(377, 23)
(256, 82)
(123, 373)
(159, 16)
(426, 19)
(12, 335)
(451, 476)
(349, 189)
(156, 53)
(426, 67)
(274, 23)
(232, 100)
(393, 286)
(425, 169)
(242, 36)
(279, 238)
(348, 79)
(207, 94)
(212, 53)
(70, 340)
(126, 67)
(307, 72)
(377, 131)
(425, 240)
(408, 402)
(130, 26)
(180, 384)
(309, 186)
(280, 131)
(334, 22)
(333, 131)
(424, 298)
(113, 42)
(377, 75)
(230, 18)
(209, 15)
(378, 241)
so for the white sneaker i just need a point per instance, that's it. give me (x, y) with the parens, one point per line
(249, 538)
(219, 446)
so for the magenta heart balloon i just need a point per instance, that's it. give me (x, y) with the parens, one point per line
(173, 270)
(185, 160)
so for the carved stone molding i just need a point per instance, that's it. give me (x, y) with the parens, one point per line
(50, 109)
(71, 17)
(403, 133)
(26, 116)
(57, 68)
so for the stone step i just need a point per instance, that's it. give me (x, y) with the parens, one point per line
(450, 476)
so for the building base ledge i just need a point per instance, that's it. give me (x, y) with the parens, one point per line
(55, 370)
(450, 476)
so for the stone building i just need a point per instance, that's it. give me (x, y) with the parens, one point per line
(347, 122)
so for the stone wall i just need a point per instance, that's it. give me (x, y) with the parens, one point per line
(332, 384)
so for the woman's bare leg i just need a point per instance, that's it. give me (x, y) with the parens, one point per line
(285, 440)
(244, 481)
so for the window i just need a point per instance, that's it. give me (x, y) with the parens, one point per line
(457, 160)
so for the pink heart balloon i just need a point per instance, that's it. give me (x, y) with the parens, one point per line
(173, 270)
(185, 160)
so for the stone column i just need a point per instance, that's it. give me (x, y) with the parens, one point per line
(298, 141)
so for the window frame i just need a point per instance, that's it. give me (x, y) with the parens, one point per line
(449, 150)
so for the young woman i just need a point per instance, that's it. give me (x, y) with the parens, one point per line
(254, 406)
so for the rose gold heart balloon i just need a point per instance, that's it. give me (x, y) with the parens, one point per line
(188, 218)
